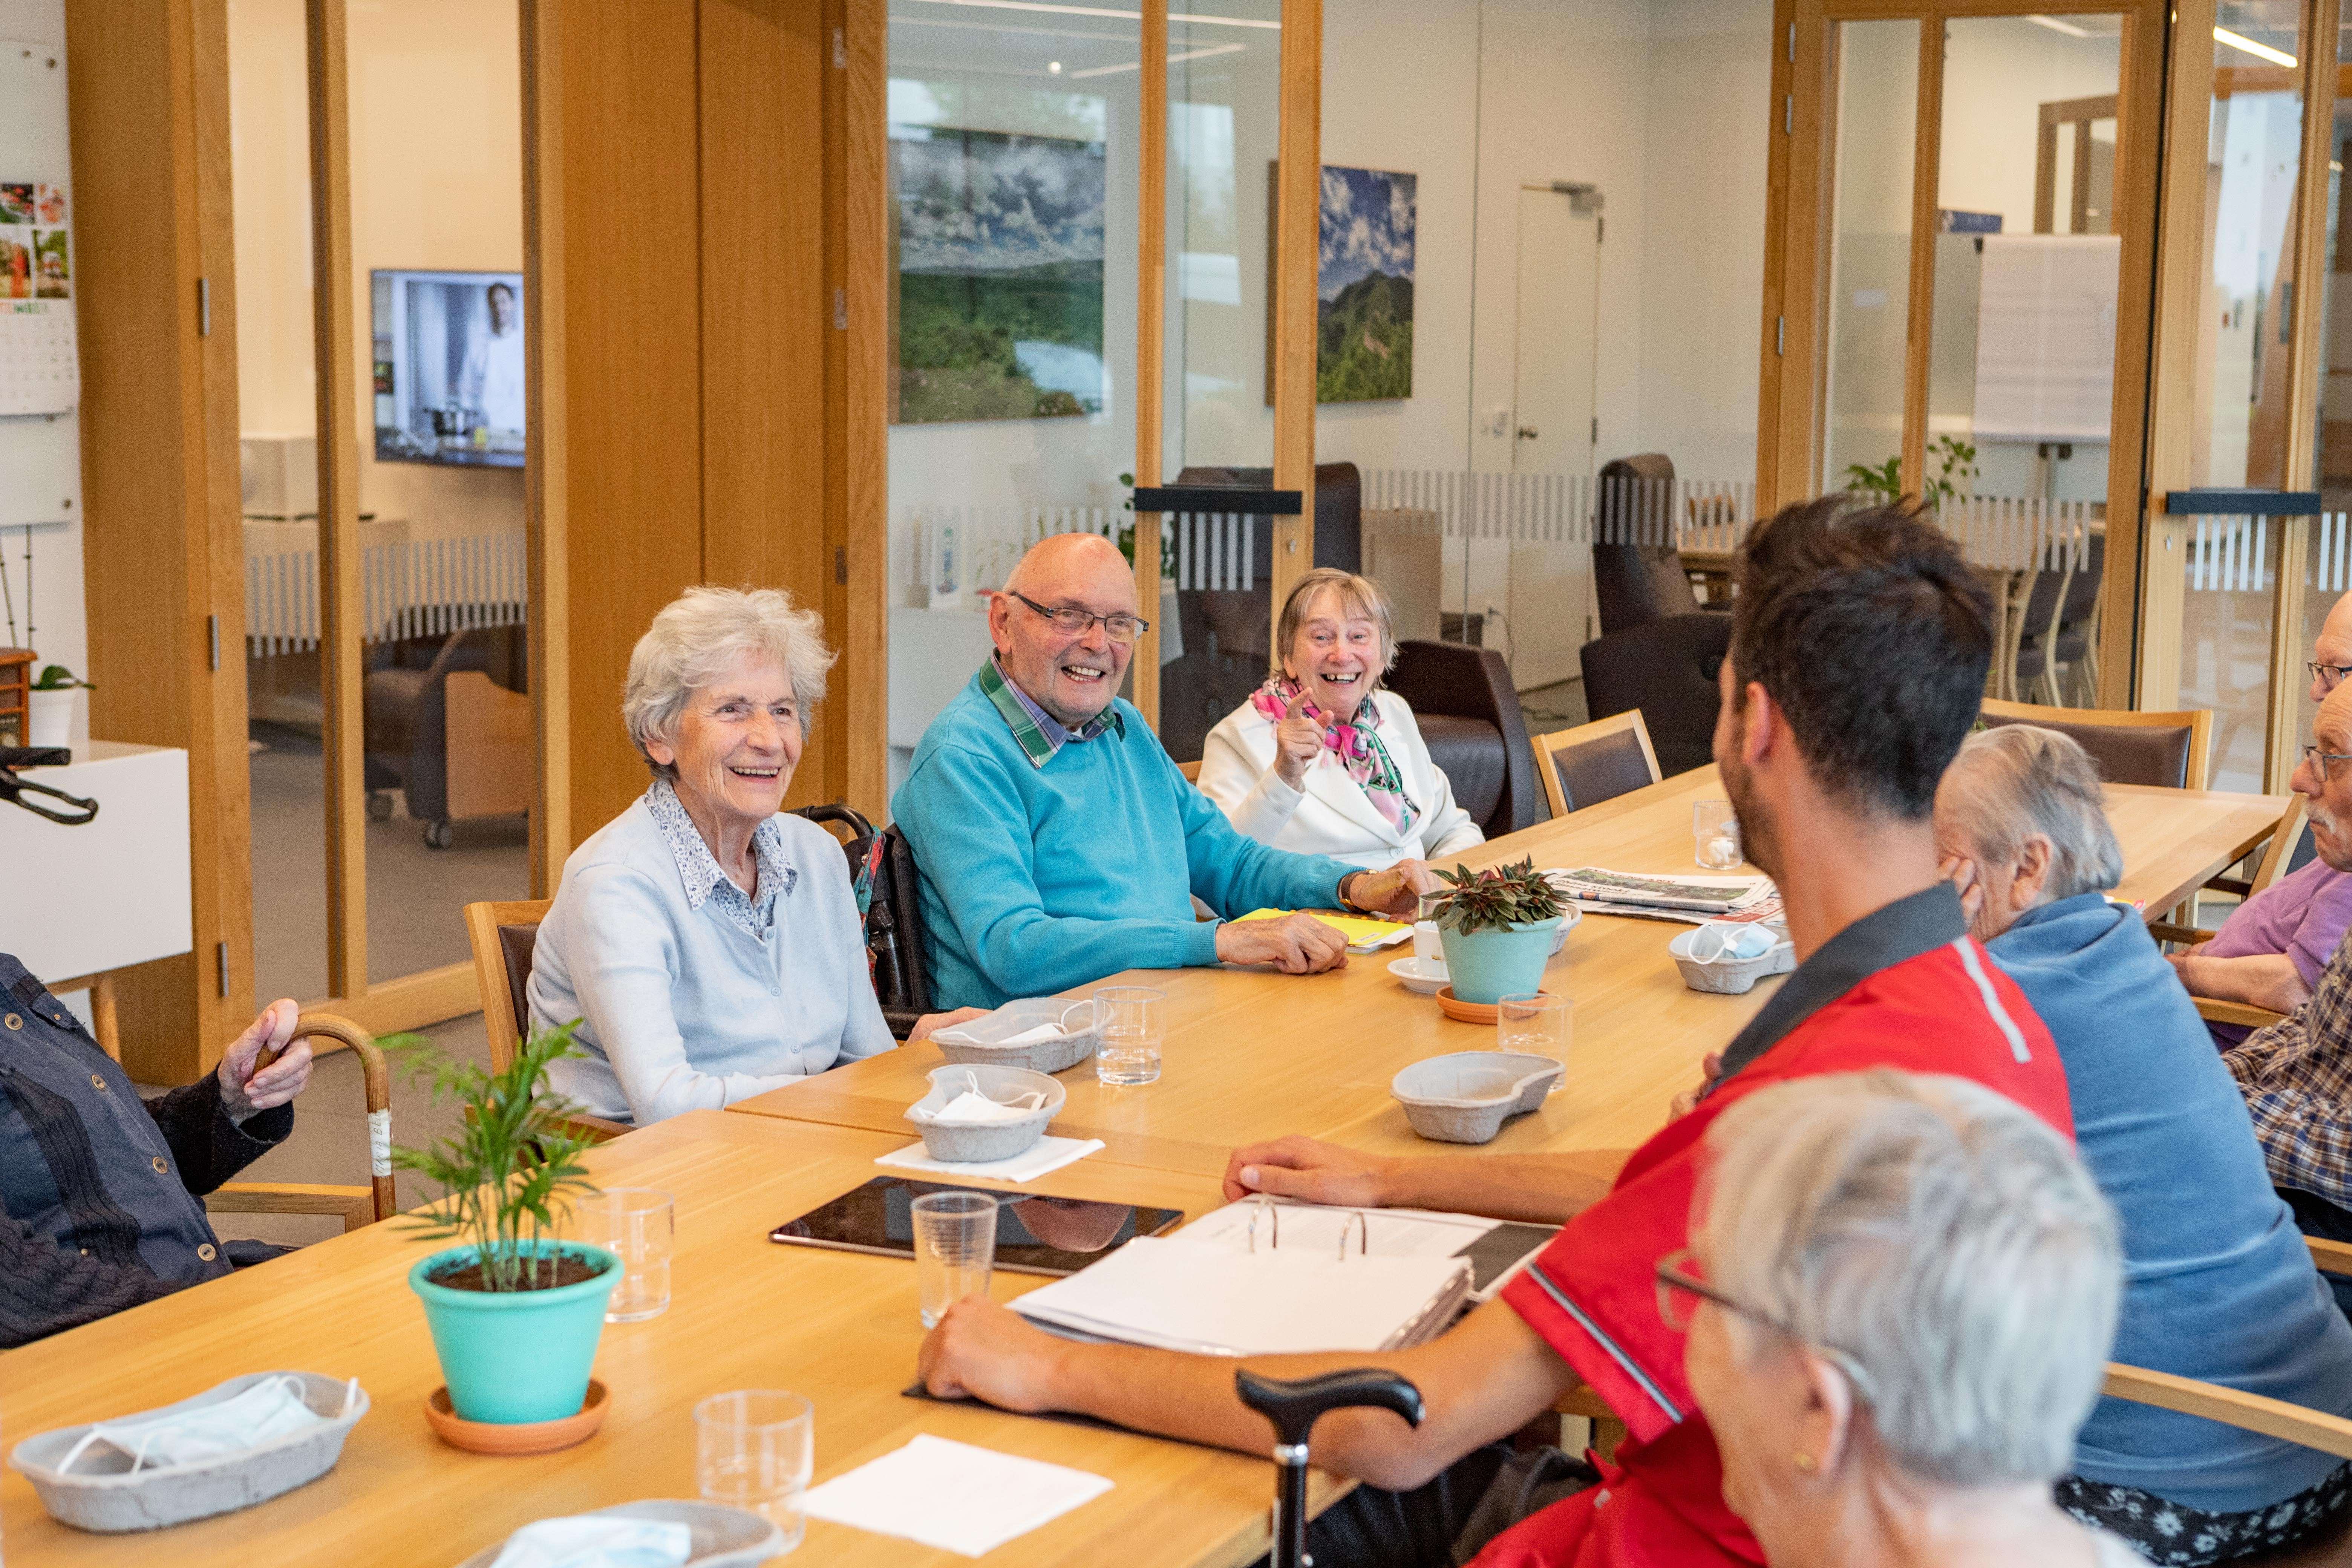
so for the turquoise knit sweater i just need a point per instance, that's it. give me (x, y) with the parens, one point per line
(1037, 879)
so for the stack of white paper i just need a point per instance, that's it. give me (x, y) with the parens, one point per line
(1209, 1300)
(953, 1496)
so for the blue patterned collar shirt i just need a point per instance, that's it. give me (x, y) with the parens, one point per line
(700, 868)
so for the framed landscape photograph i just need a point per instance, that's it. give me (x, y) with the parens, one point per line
(1363, 285)
(999, 310)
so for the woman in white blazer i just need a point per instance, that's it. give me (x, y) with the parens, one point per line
(1320, 760)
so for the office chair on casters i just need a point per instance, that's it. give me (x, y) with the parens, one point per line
(1294, 1406)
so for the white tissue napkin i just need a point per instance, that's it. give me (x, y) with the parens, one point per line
(1713, 943)
(953, 1496)
(1046, 1154)
(971, 1106)
(597, 1540)
(1030, 1037)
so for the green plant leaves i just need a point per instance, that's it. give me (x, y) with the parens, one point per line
(1494, 900)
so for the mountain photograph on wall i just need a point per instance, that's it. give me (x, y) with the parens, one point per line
(998, 307)
(1363, 310)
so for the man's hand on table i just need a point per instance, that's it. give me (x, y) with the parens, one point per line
(1395, 892)
(930, 1023)
(1296, 944)
(1709, 1069)
(982, 1351)
(1310, 1171)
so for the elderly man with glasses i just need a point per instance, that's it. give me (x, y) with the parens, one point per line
(1056, 841)
(2270, 950)
(2297, 1074)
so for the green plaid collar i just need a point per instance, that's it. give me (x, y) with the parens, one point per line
(1040, 734)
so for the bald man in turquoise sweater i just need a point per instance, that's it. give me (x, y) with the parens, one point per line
(1058, 844)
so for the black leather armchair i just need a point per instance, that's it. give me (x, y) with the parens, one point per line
(1637, 573)
(1667, 669)
(1468, 710)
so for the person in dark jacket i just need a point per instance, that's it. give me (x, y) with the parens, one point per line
(100, 1192)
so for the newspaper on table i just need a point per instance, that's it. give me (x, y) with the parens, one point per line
(1693, 901)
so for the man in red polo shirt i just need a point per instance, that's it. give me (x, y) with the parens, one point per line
(1858, 654)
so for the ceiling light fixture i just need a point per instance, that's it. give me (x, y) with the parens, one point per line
(1199, 54)
(2055, 25)
(2259, 51)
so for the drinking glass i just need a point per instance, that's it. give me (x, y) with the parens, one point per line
(640, 1225)
(1131, 1024)
(754, 1449)
(955, 1248)
(1717, 828)
(1535, 1024)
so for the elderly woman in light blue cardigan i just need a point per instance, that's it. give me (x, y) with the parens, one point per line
(709, 945)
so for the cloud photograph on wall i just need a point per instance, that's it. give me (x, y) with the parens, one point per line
(1364, 286)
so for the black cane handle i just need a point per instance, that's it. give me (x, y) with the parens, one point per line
(14, 790)
(1293, 1405)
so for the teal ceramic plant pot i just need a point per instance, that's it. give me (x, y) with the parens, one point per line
(1487, 966)
(518, 1356)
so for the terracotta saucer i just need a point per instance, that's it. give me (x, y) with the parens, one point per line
(1468, 1012)
(521, 1437)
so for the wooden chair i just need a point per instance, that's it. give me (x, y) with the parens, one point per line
(2276, 856)
(504, 936)
(2168, 749)
(1596, 761)
(1192, 772)
(355, 1206)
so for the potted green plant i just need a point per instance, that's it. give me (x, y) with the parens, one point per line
(1497, 927)
(50, 720)
(516, 1313)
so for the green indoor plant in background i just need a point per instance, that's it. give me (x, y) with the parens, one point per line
(516, 1313)
(1497, 927)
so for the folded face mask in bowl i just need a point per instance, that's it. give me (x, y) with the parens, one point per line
(597, 1540)
(270, 1409)
(1714, 943)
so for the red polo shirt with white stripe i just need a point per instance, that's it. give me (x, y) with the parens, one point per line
(1905, 987)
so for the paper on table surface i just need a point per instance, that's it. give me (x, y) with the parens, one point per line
(1364, 933)
(953, 1496)
(1047, 1154)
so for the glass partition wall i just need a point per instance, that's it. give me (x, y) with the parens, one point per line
(392, 743)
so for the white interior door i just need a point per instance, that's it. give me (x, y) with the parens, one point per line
(1547, 593)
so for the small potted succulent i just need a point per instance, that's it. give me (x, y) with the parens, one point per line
(50, 720)
(516, 1313)
(1497, 927)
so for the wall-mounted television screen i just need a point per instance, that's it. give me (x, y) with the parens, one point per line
(448, 367)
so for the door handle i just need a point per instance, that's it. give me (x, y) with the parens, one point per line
(1527, 432)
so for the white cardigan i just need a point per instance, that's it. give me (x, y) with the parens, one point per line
(1333, 816)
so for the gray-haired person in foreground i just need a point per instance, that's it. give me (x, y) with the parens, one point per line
(2220, 1285)
(1898, 1303)
(708, 943)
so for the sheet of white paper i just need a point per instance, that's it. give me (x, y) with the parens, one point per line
(1047, 1154)
(953, 1496)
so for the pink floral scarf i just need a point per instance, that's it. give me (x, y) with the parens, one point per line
(1357, 743)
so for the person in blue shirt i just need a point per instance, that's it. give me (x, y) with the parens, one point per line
(2219, 1285)
(1057, 843)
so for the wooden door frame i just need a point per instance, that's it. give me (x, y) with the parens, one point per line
(1799, 196)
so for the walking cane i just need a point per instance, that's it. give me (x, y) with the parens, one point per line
(1293, 1408)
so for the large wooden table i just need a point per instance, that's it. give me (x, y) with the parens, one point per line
(1250, 1056)
(839, 1327)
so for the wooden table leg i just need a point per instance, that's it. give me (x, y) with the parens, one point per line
(101, 1007)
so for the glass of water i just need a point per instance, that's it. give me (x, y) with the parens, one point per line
(641, 1226)
(1131, 1021)
(1535, 1024)
(1716, 827)
(955, 1248)
(754, 1449)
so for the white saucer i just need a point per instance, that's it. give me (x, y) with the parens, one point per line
(1422, 977)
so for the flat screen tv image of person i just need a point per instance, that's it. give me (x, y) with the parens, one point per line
(449, 368)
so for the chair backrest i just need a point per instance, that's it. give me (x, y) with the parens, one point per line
(1666, 670)
(2083, 587)
(1596, 761)
(1637, 573)
(1465, 682)
(2164, 749)
(1192, 771)
(504, 935)
(2288, 847)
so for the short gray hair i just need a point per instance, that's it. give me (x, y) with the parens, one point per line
(1941, 1236)
(1357, 596)
(693, 640)
(2014, 781)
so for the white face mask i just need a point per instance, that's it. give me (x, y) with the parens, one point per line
(269, 1410)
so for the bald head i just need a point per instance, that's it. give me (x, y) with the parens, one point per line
(1072, 675)
(2333, 646)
